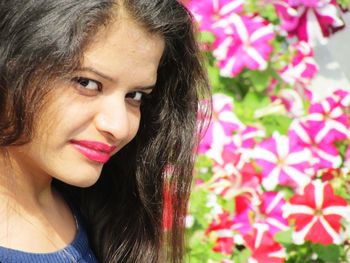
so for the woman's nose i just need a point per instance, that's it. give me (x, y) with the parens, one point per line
(112, 119)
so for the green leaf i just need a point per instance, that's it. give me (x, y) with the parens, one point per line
(201, 249)
(241, 256)
(198, 207)
(269, 12)
(284, 237)
(206, 37)
(328, 253)
(260, 79)
(214, 77)
(274, 123)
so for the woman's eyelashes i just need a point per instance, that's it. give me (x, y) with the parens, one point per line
(88, 86)
(137, 96)
(92, 87)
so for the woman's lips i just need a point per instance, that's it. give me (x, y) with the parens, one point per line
(94, 151)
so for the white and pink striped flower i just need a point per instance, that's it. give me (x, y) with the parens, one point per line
(317, 19)
(263, 248)
(329, 120)
(261, 209)
(208, 12)
(283, 162)
(317, 213)
(325, 154)
(343, 97)
(309, 20)
(242, 41)
(303, 67)
(222, 126)
(270, 212)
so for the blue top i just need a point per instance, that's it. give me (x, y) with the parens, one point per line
(77, 251)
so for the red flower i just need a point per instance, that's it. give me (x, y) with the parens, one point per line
(317, 214)
(263, 248)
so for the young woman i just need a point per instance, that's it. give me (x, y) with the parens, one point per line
(98, 106)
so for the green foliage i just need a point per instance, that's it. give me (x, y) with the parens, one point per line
(199, 208)
(273, 123)
(330, 253)
(344, 3)
(240, 256)
(201, 249)
(284, 237)
(245, 109)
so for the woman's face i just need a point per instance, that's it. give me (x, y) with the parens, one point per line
(96, 112)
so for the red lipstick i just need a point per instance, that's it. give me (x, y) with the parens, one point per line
(94, 151)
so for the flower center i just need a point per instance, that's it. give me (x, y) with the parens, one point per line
(318, 212)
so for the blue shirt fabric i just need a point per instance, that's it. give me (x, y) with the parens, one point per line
(77, 251)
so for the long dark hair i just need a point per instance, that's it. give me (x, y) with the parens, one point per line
(43, 39)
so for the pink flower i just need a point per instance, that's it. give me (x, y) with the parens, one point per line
(270, 212)
(343, 97)
(283, 162)
(242, 41)
(233, 176)
(303, 67)
(292, 102)
(317, 214)
(208, 12)
(287, 14)
(263, 248)
(267, 210)
(314, 19)
(325, 154)
(328, 119)
(222, 126)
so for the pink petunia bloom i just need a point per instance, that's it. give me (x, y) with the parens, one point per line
(208, 12)
(303, 67)
(233, 176)
(317, 213)
(328, 120)
(324, 152)
(317, 19)
(309, 20)
(283, 162)
(267, 210)
(287, 14)
(270, 212)
(222, 126)
(263, 248)
(242, 41)
(343, 97)
(292, 102)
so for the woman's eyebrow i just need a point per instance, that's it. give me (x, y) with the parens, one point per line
(102, 75)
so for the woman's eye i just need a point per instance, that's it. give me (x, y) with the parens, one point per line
(88, 84)
(136, 96)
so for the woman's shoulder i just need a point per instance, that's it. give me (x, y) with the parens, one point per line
(78, 250)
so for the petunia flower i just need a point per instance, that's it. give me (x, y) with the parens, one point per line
(222, 125)
(317, 213)
(208, 12)
(283, 162)
(263, 248)
(324, 153)
(266, 210)
(242, 41)
(328, 120)
(309, 20)
(222, 226)
(303, 67)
